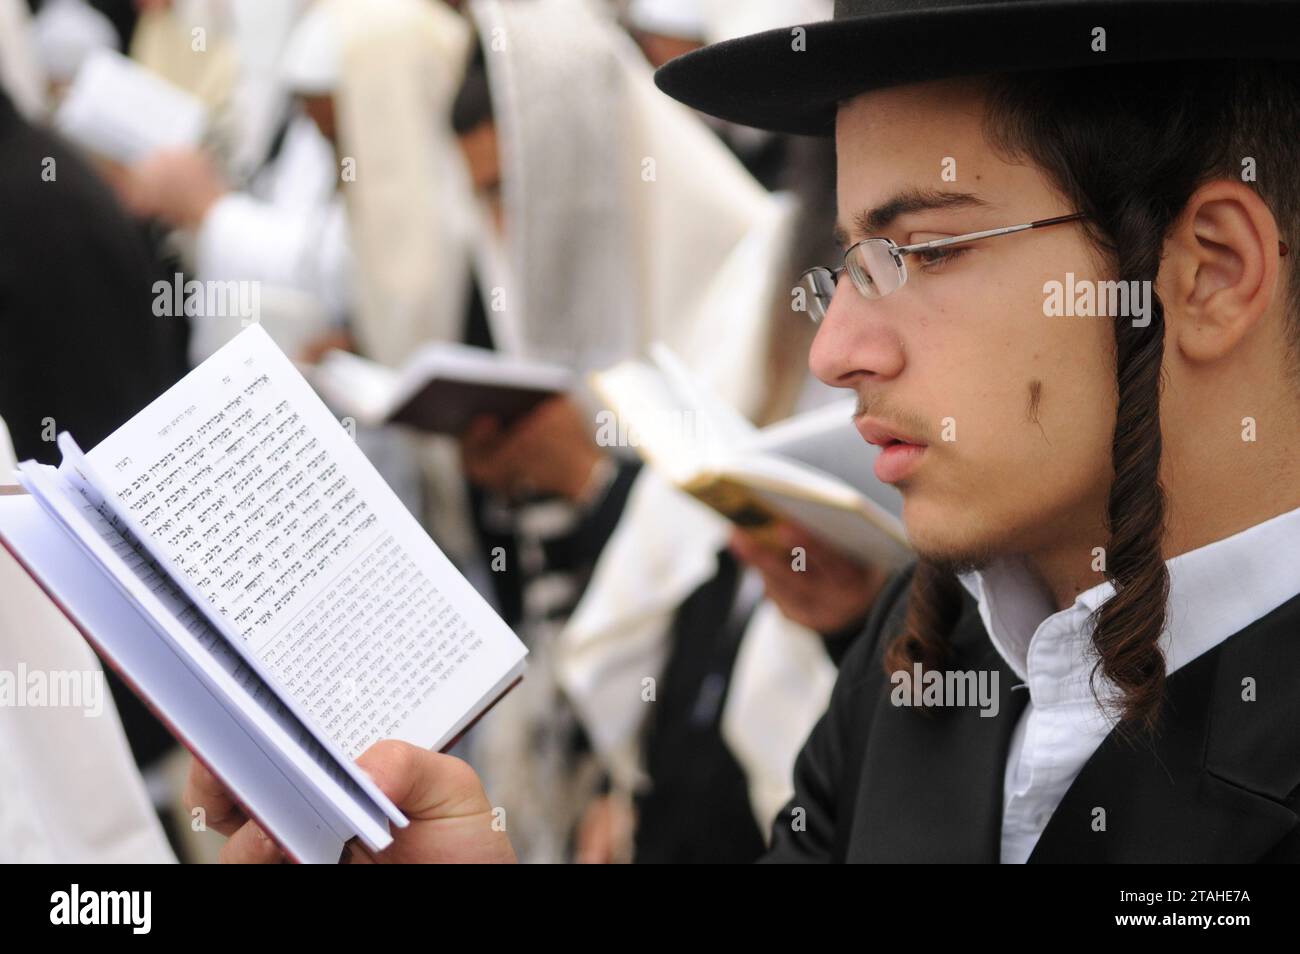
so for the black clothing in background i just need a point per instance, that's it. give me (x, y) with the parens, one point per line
(573, 553)
(696, 808)
(79, 342)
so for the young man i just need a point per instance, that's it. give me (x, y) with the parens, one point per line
(1096, 657)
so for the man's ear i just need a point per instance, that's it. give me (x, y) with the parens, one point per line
(1221, 269)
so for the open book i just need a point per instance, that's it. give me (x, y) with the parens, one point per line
(121, 110)
(233, 554)
(813, 469)
(440, 390)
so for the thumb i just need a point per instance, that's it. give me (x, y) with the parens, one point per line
(424, 784)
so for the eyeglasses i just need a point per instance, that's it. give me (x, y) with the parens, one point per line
(877, 268)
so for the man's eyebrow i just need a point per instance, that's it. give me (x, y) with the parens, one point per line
(874, 221)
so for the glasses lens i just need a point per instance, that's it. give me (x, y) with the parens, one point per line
(873, 268)
(819, 287)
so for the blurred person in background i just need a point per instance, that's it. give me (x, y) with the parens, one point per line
(69, 788)
(741, 648)
(281, 221)
(80, 347)
(581, 253)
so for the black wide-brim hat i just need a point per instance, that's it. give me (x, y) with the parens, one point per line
(766, 80)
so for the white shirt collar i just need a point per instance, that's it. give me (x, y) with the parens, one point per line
(1215, 591)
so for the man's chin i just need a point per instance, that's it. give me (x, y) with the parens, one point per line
(948, 550)
(956, 562)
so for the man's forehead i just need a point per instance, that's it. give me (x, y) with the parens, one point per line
(913, 149)
(887, 139)
(913, 105)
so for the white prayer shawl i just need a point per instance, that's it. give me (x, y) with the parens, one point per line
(679, 18)
(618, 638)
(665, 548)
(612, 652)
(69, 790)
(66, 33)
(190, 44)
(288, 232)
(666, 543)
(22, 77)
(712, 21)
(620, 205)
(259, 100)
(727, 19)
(617, 642)
(407, 191)
(780, 686)
(620, 208)
(407, 197)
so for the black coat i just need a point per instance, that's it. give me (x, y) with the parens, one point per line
(79, 341)
(1219, 782)
(80, 346)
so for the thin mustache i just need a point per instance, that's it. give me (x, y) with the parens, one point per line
(876, 406)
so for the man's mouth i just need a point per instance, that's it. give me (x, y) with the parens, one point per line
(900, 453)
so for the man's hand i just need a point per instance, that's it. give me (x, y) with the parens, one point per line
(178, 186)
(451, 818)
(314, 349)
(606, 832)
(548, 451)
(825, 590)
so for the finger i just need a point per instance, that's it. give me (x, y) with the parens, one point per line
(823, 558)
(204, 791)
(482, 429)
(788, 589)
(544, 412)
(760, 554)
(423, 783)
(250, 846)
(494, 471)
(546, 424)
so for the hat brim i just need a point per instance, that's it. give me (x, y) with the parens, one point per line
(788, 82)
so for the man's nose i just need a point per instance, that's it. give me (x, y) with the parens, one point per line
(855, 340)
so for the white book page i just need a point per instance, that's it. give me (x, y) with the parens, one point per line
(120, 110)
(253, 497)
(194, 711)
(651, 417)
(318, 776)
(826, 440)
(826, 506)
(721, 426)
(355, 386)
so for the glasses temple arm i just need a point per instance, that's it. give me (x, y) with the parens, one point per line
(988, 233)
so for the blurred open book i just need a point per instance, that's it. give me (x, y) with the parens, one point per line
(120, 110)
(440, 390)
(813, 469)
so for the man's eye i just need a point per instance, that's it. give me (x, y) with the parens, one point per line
(933, 258)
